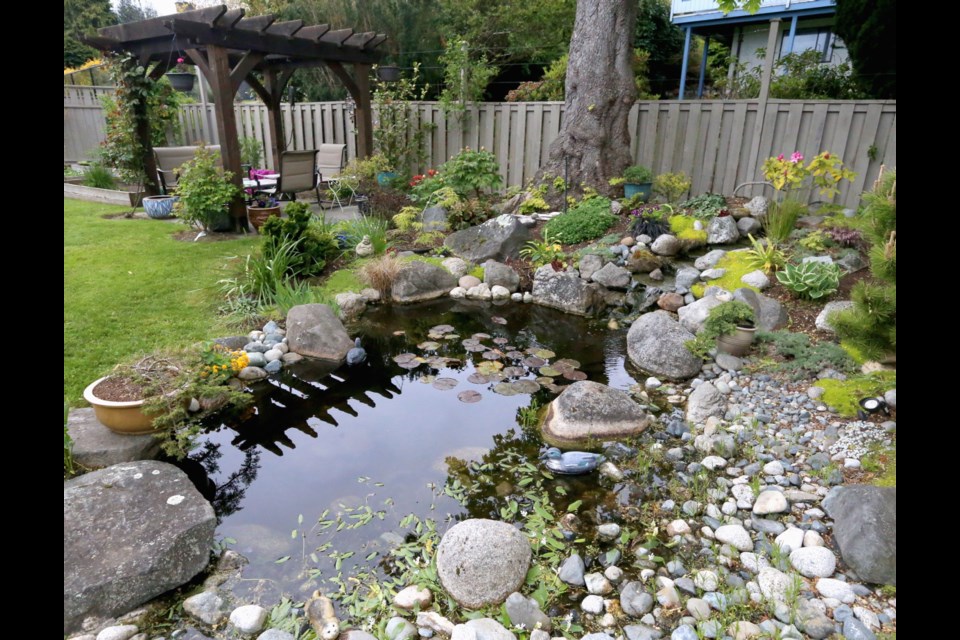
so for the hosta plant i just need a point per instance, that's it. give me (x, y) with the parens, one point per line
(811, 280)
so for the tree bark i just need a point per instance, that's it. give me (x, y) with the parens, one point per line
(594, 140)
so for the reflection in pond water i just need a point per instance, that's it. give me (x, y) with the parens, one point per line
(385, 437)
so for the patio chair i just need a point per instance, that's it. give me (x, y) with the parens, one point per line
(298, 172)
(169, 160)
(331, 159)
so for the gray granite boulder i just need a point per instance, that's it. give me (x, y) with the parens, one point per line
(419, 280)
(496, 273)
(566, 291)
(770, 314)
(655, 343)
(589, 410)
(481, 562)
(497, 239)
(130, 532)
(314, 330)
(96, 446)
(865, 529)
(722, 230)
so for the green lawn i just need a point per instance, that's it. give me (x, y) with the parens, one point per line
(130, 289)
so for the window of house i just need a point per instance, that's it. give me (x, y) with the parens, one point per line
(816, 39)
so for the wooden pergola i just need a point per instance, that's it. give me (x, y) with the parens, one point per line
(228, 48)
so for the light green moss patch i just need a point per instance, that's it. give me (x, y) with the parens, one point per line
(737, 266)
(682, 227)
(845, 395)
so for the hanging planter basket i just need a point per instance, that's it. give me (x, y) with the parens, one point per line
(181, 81)
(388, 73)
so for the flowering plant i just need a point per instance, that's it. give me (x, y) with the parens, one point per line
(825, 172)
(221, 364)
(181, 66)
(423, 186)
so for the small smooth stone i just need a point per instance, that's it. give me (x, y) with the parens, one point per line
(597, 584)
(248, 619)
(699, 609)
(706, 580)
(411, 597)
(814, 562)
(744, 630)
(736, 535)
(608, 531)
(613, 573)
(773, 468)
(273, 367)
(867, 617)
(770, 502)
(668, 597)
(275, 634)
(679, 527)
(205, 607)
(853, 629)
(592, 604)
(790, 539)
(812, 539)
(119, 632)
(572, 571)
(684, 632)
(256, 359)
(836, 589)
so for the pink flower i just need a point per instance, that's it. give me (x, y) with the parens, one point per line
(180, 60)
(780, 157)
(796, 157)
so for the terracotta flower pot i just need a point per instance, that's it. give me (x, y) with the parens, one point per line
(259, 215)
(125, 418)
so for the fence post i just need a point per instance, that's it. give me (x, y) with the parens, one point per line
(764, 98)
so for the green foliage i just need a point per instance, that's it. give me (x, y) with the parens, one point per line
(816, 241)
(99, 176)
(722, 320)
(313, 242)
(637, 174)
(587, 220)
(535, 203)
(879, 218)
(684, 228)
(354, 230)
(541, 252)
(83, 17)
(811, 280)
(781, 219)
(797, 76)
(205, 189)
(845, 395)
(548, 88)
(68, 465)
(395, 135)
(672, 186)
(656, 34)
(468, 212)
(137, 99)
(871, 325)
(801, 358)
(868, 29)
(735, 264)
(408, 219)
(251, 152)
(472, 172)
(882, 462)
(765, 256)
(705, 205)
(465, 76)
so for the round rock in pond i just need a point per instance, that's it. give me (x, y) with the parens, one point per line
(590, 410)
(481, 562)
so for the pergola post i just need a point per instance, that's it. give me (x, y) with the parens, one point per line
(223, 91)
(364, 113)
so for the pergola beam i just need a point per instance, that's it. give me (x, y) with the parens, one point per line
(156, 27)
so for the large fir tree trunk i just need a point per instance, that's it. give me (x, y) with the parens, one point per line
(594, 141)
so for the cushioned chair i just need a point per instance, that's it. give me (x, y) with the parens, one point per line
(298, 172)
(169, 160)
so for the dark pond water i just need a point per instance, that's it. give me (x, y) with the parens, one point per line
(379, 441)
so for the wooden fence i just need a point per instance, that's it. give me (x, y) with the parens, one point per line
(719, 143)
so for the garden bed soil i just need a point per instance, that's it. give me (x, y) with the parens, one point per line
(803, 314)
(119, 389)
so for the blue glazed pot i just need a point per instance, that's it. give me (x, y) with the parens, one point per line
(159, 207)
(631, 189)
(384, 177)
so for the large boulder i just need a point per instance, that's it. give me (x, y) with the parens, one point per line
(589, 265)
(130, 532)
(770, 314)
(709, 260)
(865, 529)
(96, 446)
(419, 280)
(592, 411)
(686, 277)
(481, 562)
(434, 219)
(496, 273)
(315, 330)
(566, 291)
(694, 315)
(655, 343)
(823, 318)
(496, 239)
(642, 261)
(722, 230)
(666, 245)
(612, 276)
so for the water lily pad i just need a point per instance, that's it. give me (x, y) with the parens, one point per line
(497, 376)
(429, 379)
(404, 357)
(546, 354)
(554, 388)
(526, 386)
(437, 362)
(505, 389)
(514, 355)
(550, 371)
(409, 364)
(500, 341)
(444, 384)
(575, 375)
(429, 345)
(481, 336)
(534, 362)
(470, 396)
(478, 378)
(451, 336)
(514, 372)
(498, 320)
(545, 380)
(567, 362)
(489, 367)
(399, 333)
(442, 328)
(491, 355)
(474, 347)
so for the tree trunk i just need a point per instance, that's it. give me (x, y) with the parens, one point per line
(594, 140)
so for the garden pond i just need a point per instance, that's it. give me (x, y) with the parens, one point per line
(318, 476)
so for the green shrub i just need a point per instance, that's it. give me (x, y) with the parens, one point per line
(587, 220)
(722, 320)
(535, 203)
(845, 395)
(684, 227)
(468, 212)
(781, 218)
(471, 173)
(706, 205)
(541, 252)
(313, 242)
(812, 280)
(251, 152)
(637, 174)
(816, 241)
(871, 325)
(99, 176)
(802, 358)
(204, 188)
(672, 186)
(765, 256)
